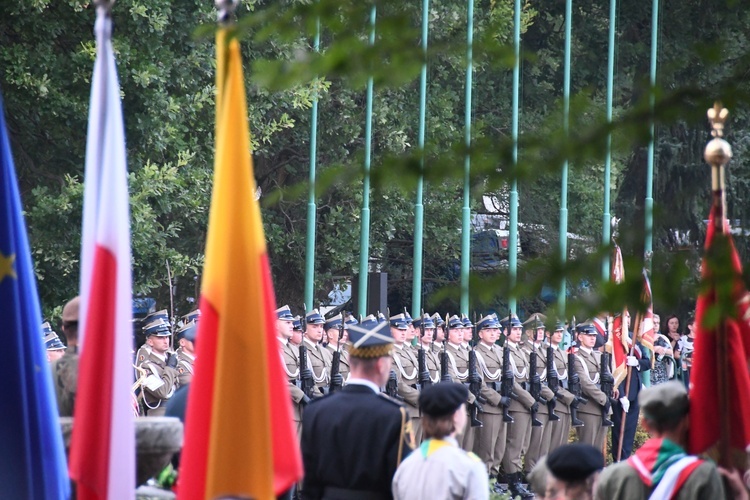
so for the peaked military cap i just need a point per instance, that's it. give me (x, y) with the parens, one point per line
(157, 315)
(455, 322)
(466, 321)
(559, 326)
(511, 321)
(158, 327)
(381, 318)
(536, 320)
(284, 313)
(442, 399)
(408, 317)
(489, 321)
(333, 322)
(664, 402)
(370, 339)
(574, 462)
(399, 322)
(297, 324)
(351, 320)
(188, 331)
(585, 329)
(428, 323)
(51, 340)
(438, 320)
(314, 318)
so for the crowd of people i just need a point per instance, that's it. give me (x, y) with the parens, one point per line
(438, 407)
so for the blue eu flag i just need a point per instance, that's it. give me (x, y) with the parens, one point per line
(32, 459)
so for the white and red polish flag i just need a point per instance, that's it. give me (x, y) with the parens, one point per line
(102, 455)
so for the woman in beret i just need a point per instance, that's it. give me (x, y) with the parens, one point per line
(440, 468)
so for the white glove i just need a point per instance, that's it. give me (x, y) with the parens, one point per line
(632, 361)
(625, 402)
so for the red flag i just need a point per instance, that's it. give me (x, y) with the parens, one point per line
(707, 418)
(239, 436)
(617, 343)
(102, 451)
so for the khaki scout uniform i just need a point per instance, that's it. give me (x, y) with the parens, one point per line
(185, 364)
(538, 445)
(557, 434)
(290, 363)
(587, 367)
(320, 364)
(519, 431)
(157, 370)
(489, 441)
(458, 368)
(407, 375)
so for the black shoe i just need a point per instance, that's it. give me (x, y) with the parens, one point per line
(500, 488)
(517, 489)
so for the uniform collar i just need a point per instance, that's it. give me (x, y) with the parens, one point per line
(364, 382)
(312, 344)
(454, 345)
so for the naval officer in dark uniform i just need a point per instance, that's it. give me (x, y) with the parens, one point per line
(354, 439)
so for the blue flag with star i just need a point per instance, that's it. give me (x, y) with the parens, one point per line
(32, 458)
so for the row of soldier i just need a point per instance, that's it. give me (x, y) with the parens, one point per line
(516, 414)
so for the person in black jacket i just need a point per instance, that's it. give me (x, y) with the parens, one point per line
(354, 439)
(627, 406)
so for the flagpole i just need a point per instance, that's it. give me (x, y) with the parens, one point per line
(311, 205)
(513, 244)
(466, 210)
(564, 181)
(718, 152)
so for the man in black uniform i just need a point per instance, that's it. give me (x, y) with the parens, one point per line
(354, 439)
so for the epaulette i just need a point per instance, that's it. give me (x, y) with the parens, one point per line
(390, 399)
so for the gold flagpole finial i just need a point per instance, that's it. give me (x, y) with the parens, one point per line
(718, 152)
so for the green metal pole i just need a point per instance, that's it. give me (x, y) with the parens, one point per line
(311, 207)
(566, 123)
(608, 158)
(513, 251)
(649, 203)
(364, 240)
(466, 211)
(416, 291)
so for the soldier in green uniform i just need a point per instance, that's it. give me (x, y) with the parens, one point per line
(519, 431)
(538, 446)
(432, 360)
(333, 332)
(145, 349)
(186, 352)
(160, 367)
(557, 435)
(437, 345)
(65, 369)
(317, 360)
(490, 438)
(404, 363)
(588, 365)
(458, 369)
(290, 362)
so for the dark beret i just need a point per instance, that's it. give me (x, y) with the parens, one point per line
(664, 402)
(574, 462)
(442, 399)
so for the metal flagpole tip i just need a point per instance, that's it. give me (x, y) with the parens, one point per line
(718, 152)
(226, 8)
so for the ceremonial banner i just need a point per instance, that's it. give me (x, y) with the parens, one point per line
(102, 454)
(32, 458)
(239, 437)
(644, 321)
(619, 343)
(705, 411)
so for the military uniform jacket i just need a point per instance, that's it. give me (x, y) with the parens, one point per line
(65, 380)
(407, 374)
(519, 363)
(541, 370)
(343, 360)
(320, 363)
(458, 366)
(157, 367)
(490, 361)
(353, 439)
(185, 364)
(587, 367)
(563, 394)
(290, 362)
